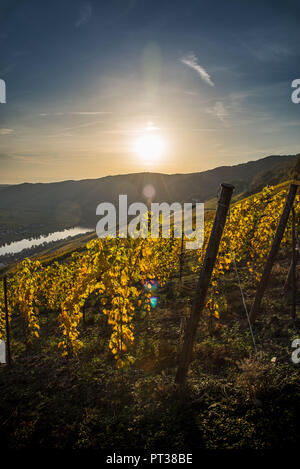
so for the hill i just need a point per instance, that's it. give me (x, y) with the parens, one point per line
(44, 207)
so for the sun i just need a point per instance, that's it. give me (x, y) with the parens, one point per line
(150, 147)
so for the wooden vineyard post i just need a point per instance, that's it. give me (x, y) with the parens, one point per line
(273, 252)
(203, 283)
(7, 350)
(294, 263)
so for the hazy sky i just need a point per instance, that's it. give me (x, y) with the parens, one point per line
(86, 79)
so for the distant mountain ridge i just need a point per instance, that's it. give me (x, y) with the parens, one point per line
(74, 202)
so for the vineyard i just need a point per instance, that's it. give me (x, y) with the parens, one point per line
(112, 318)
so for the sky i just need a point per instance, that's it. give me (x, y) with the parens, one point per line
(95, 88)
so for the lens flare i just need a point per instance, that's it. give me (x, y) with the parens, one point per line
(153, 301)
(150, 285)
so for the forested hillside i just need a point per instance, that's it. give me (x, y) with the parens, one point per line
(68, 203)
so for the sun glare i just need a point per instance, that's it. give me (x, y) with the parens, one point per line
(150, 147)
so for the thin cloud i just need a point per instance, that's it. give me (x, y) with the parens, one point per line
(89, 113)
(70, 129)
(75, 113)
(84, 15)
(32, 160)
(209, 130)
(191, 61)
(271, 52)
(219, 111)
(6, 131)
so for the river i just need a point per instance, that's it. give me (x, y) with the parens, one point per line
(18, 246)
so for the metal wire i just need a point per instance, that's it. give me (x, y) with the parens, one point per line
(242, 292)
